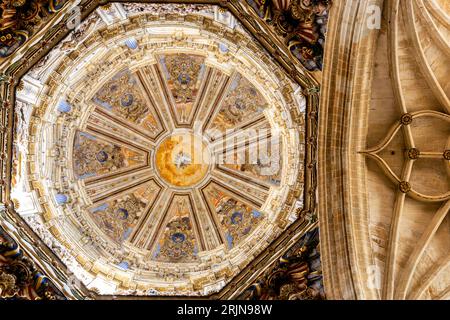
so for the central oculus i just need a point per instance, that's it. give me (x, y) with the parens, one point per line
(182, 160)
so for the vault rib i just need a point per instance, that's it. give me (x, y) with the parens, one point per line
(415, 256)
(389, 281)
(434, 32)
(433, 273)
(421, 59)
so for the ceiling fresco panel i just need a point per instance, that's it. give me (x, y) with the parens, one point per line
(237, 218)
(122, 97)
(178, 242)
(95, 157)
(242, 104)
(183, 75)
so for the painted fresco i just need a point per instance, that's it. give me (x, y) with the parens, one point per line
(236, 218)
(95, 157)
(184, 74)
(178, 242)
(122, 96)
(243, 103)
(117, 218)
(261, 162)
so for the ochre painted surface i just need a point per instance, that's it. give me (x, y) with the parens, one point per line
(182, 160)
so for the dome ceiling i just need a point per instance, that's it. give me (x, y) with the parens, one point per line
(167, 150)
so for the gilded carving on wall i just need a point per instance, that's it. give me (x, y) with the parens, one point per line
(20, 19)
(296, 276)
(301, 23)
(19, 277)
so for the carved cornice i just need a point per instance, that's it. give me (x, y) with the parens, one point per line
(21, 20)
(297, 275)
(19, 276)
(300, 25)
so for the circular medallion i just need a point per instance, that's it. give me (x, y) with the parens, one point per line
(182, 160)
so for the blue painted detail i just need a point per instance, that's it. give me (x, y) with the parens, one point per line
(127, 233)
(131, 43)
(178, 237)
(223, 48)
(247, 230)
(87, 135)
(124, 265)
(184, 78)
(103, 104)
(229, 240)
(157, 251)
(122, 213)
(64, 106)
(162, 60)
(61, 199)
(235, 83)
(127, 100)
(103, 207)
(39, 280)
(202, 71)
(236, 217)
(256, 214)
(86, 175)
(101, 156)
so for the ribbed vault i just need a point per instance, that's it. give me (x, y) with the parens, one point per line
(384, 144)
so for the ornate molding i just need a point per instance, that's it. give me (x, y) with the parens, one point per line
(301, 24)
(297, 275)
(22, 19)
(19, 276)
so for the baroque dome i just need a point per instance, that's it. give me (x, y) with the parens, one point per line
(170, 151)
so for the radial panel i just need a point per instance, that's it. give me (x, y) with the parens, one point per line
(122, 96)
(183, 74)
(236, 218)
(117, 216)
(258, 161)
(178, 242)
(94, 156)
(243, 104)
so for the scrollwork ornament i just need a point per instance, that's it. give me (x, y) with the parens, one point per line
(8, 287)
